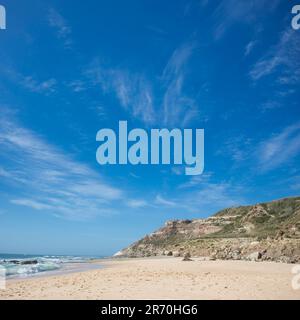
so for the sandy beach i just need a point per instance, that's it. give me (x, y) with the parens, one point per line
(165, 278)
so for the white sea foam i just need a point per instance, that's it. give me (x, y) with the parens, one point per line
(19, 266)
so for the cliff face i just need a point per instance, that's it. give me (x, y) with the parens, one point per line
(265, 231)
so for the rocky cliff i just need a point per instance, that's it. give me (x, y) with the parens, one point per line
(265, 231)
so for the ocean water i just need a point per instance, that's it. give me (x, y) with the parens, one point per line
(23, 266)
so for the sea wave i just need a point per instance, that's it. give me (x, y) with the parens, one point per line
(29, 266)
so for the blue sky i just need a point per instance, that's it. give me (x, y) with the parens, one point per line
(70, 68)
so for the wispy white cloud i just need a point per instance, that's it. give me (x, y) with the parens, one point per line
(47, 86)
(263, 155)
(31, 204)
(4, 173)
(135, 176)
(249, 47)
(177, 61)
(270, 105)
(165, 202)
(132, 90)
(158, 101)
(77, 85)
(284, 56)
(238, 148)
(157, 30)
(230, 12)
(137, 203)
(280, 149)
(177, 106)
(178, 171)
(215, 195)
(196, 181)
(201, 195)
(63, 30)
(49, 179)
(99, 110)
(29, 82)
(207, 193)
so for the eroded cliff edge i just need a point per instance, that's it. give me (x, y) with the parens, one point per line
(264, 231)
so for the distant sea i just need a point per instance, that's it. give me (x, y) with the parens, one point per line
(23, 266)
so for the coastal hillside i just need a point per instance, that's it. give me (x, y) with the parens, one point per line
(264, 231)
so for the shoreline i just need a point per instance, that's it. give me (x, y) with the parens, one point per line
(67, 268)
(82, 267)
(161, 278)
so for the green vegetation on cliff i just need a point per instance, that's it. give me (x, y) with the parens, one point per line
(272, 228)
